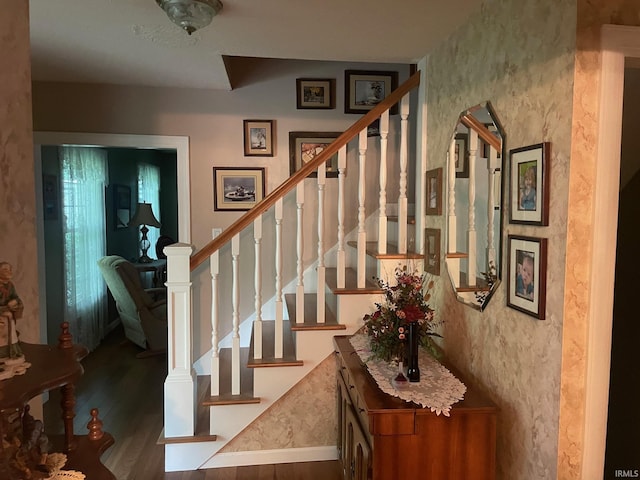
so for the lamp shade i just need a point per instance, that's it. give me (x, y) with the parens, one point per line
(144, 216)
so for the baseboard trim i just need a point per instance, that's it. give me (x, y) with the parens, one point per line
(266, 457)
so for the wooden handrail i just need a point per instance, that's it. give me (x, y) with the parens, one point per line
(285, 187)
(483, 132)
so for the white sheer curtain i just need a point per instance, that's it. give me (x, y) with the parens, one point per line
(149, 192)
(84, 175)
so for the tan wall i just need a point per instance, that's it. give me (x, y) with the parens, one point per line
(17, 193)
(520, 57)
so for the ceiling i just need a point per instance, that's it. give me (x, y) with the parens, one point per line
(132, 42)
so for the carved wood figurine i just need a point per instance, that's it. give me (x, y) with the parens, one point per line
(12, 361)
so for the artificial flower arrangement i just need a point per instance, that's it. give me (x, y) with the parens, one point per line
(404, 303)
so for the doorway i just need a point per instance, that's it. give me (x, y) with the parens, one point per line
(178, 144)
(618, 43)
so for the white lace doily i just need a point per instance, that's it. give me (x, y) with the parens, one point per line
(437, 389)
(55, 461)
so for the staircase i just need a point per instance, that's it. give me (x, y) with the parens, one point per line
(274, 269)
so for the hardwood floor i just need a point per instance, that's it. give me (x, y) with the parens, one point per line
(128, 393)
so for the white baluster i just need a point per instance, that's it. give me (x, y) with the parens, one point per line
(179, 386)
(235, 301)
(493, 170)
(300, 250)
(402, 198)
(341, 257)
(471, 232)
(382, 215)
(362, 234)
(257, 281)
(453, 264)
(320, 295)
(214, 269)
(278, 341)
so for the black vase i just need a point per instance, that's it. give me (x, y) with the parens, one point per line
(413, 371)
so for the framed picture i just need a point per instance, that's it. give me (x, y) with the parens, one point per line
(305, 146)
(432, 250)
(529, 184)
(527, 275)
(316, 93)
(236, 189)
(461, 155)
(434, 191)
(50, 197)
(122, 205)
(365, 89)
(258, 138)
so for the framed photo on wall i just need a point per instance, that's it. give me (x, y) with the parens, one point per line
(461, 155)
(527, 275)
(529, 184)
(433, 184)
(122, 205)
(258, 138)
(305, 146)
(236, 188)
(432, 250)
(315, 93)
(365, 89)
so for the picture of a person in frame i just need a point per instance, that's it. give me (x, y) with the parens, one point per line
(525, 274)
(527, 200)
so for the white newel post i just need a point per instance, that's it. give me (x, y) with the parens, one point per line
(403, 205)
(180, 384)
(382, 214)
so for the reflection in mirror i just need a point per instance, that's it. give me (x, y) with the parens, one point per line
(474, 205)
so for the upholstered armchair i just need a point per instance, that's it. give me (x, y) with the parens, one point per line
(143, 317)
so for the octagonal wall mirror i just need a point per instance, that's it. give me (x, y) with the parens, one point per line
(473, 197)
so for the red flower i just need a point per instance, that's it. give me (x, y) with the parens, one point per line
(413, 313)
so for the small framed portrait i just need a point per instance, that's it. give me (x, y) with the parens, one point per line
(432, 250)
(365, 89)
(529, 184)
(461, 155)
(122, 206)
(527, 275)
(237, 189)
(433, 183)
(315, 93)
(305, 146)
(259, 138)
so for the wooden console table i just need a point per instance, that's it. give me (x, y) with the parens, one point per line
(385, 438)
(58, 367)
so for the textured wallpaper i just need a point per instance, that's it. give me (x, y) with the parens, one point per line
(17, 195)
(520, 57)
(304, 417)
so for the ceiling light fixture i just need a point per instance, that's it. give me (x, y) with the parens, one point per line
(191, 15)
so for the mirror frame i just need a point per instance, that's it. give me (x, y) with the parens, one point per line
(469, 120)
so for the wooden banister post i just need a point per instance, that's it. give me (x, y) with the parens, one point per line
(180, 384)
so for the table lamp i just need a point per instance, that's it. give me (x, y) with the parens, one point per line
(144, 216)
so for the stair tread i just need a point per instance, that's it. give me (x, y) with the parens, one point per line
(310, 308)
(457, 255)
(371, 249)
(268, 340)
(226, 397)
(350, 283)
